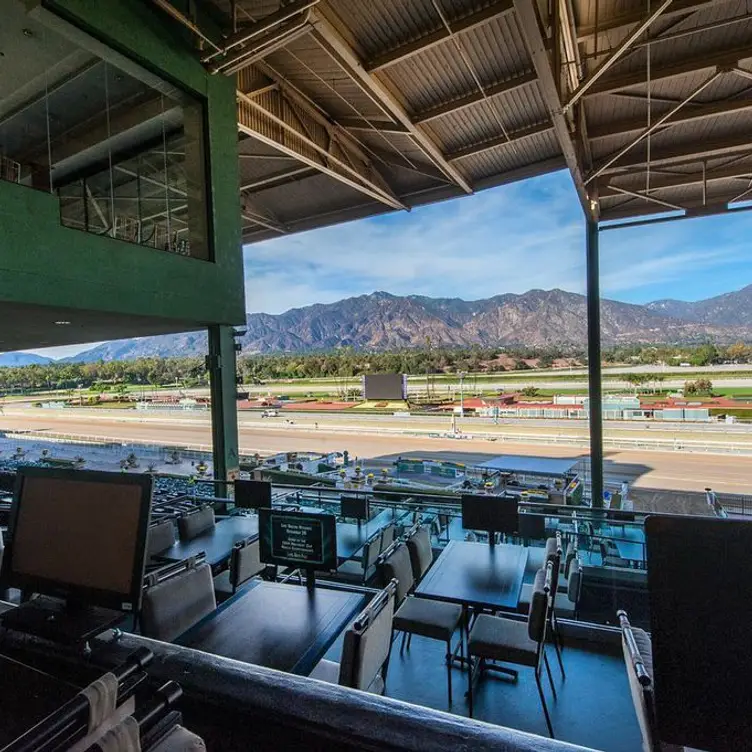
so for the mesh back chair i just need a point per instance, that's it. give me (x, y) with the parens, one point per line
(610, 555)
(436, 620)
(566, 603)
(366, 648)
(193, 524)
(174, 605)
(497, 638)
(359, 570)
(638, 658)
(245, 563)
(387, 536)
(160, 537)
(421, 552)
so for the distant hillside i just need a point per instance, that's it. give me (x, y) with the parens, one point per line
(163, 345)
(15, 359)
(535, 318)
(730, 309)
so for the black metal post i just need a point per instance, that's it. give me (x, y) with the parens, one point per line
(594, 365)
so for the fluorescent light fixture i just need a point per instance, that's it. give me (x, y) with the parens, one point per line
(62, 323)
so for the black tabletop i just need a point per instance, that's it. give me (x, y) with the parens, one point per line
(477, 574)
(281, 626)
(216, 543)
(351, 536)
(28, 697)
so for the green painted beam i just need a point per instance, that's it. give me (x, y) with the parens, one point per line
(224, 389)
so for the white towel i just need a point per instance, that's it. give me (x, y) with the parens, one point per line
(102, 697)
(124, 737)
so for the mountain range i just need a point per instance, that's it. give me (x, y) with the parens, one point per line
(381, 321)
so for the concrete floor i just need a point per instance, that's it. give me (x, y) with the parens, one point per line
(594, 708)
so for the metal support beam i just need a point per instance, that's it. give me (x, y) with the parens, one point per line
(498, 141)
(679, 8)
(628, 41)
(283, 176)
(455, 105)
(645, 197)
(283, 121)
(531, 31)
(220, 364)
(720, 59)
(425, 42)
(684, 179)
(338, 48)
(249, 209)
(657, 124)
(286, 12)
(595, 402)
(380, 126)
(687, 153)
(690, 114)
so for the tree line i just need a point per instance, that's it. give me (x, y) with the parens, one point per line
(348, 363)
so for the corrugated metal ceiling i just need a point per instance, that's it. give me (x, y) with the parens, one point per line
(421, 66)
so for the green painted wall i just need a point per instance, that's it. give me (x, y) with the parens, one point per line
(42, 262)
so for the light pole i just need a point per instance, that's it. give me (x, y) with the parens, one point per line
(462, 375)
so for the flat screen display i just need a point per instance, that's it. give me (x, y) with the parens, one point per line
(298, 539)
(253, 494)
(385, 386)
(79, 534)
(489, 513)
(354, 507)
(701, 627)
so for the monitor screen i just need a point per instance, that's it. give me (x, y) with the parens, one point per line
(700, 616)
(355, 507)
(495, 514)
(253, 494)
(298, 539)
(7, 482)
(79, 535)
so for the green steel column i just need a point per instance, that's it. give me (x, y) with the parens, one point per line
(594, 364)
(221, 366)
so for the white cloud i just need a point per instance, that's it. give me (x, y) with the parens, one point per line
(505, 240)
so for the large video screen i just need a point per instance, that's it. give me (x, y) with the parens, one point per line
(298, 539)
(385, 386)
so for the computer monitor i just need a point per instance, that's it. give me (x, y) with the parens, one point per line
(7, 482)
(700, 615)
(79, 535)
(354, 507)
(493, 514)
(253, 494)
(298, 539)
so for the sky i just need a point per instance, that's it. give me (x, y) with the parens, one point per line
(508, 239)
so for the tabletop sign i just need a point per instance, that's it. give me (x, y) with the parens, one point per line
(298, 539)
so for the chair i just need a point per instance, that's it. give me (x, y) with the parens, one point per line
(359, 570)
(160, 537)
(566, 603)
(421, 552)
(498, 638)
(387, 536)
(173, 605)
(436, 620)
(610, 555)
(245, 563)
(366, 649)
(192, 525)
(638, 658)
